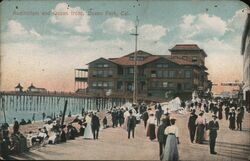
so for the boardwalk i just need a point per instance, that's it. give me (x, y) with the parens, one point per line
(114, 145)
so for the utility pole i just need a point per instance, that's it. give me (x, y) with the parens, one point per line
(135, 61)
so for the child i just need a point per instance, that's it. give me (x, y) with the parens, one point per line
(105, 122)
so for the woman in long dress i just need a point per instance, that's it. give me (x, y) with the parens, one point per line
(88, 131)
(151, 124)
(125, 115)
(201, 124)
(232, 116)
(171, 150)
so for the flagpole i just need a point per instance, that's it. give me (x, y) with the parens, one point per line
(135, 61)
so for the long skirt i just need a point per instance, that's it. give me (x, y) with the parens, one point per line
(151, 131)
(125, 123)
(200, 133)
(171, 150)
(88, 132)
(220, 115)
(232, 123)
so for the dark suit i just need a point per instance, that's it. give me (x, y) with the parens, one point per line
(131, 125)
(162, 137)
(95, 124)
(192, 126)
(213, 126)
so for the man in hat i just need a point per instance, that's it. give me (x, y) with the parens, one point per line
(95, 125)
(165, 122)
(114, 115)
(232, 116)
(213, 126)
(192, 125)
(239, 118)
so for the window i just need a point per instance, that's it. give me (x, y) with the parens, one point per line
(119, 85)
(165, 65)
(130, 86)
(159, 73)
(94, 73)
(165, 74)
(105, 65)
(105, 84)
(172, 74)
(161, 65)
(153, 73)
(156, 84)
(187, 74)
(105, 73)
(110, 73)
(194, 59)
(99, 84)
(187, 86)
(171, 85)
(110, 84)
(138, 58)
(165, 84)
(99, 65)
(94, 84)
(130, 70)
(120, 70)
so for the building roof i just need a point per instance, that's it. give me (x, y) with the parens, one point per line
(78, 69)
(181, 61)
(139, 52)
(187, 47)
(177, 60)
(19, 86)
(31, 86)
(126, 60)
(99, 59)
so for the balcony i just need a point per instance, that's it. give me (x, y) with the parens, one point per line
(130, 77)
(81, 79)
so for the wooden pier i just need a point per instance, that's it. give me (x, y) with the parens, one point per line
(51, 103)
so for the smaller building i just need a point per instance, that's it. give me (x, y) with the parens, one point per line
(245, 51)
(34, 89)
(19, 88)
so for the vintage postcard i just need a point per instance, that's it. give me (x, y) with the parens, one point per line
(125, 80)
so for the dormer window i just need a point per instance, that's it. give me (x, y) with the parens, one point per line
(161, 65)
(138, 58)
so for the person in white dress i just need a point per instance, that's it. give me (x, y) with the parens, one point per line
(125, 115)
(88, 131)
(171, 150)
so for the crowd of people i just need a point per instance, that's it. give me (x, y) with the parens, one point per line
(159, 124)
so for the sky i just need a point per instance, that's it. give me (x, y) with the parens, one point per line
(42, 42)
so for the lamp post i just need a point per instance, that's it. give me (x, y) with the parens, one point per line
(135, 61)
